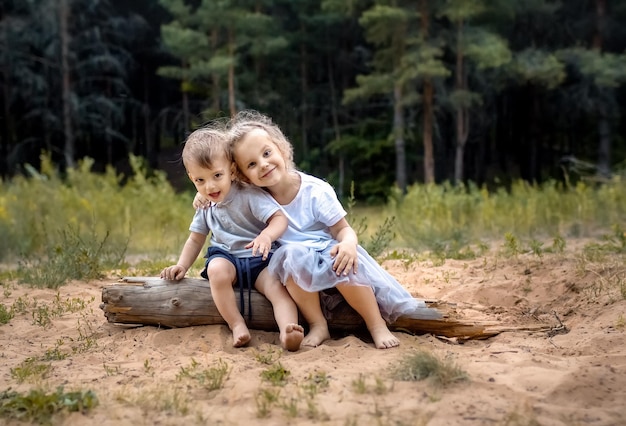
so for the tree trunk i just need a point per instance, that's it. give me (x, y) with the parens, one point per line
(231, 74)
(462, 113)
(188, 302)
(66, 94)
(428, 99)
(398, 137)
(604, 127)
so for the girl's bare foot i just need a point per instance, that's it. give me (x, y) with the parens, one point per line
(318, 333)
(383, 339)
(241, 335)
(292, 337)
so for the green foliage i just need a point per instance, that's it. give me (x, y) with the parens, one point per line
(382, 236)
(74, 257)
(276, 374)
(30, 369)
(38, 406)
(6, 315)
(211, 378)
(89, 219)
(429, 216)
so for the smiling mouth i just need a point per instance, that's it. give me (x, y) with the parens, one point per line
(268, 173)
(214, 194)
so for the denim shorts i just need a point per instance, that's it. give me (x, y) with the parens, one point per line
(248, 268)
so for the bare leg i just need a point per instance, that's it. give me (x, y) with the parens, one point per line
(285, 310)
(309, 305)
(362, 299)
(221, 275)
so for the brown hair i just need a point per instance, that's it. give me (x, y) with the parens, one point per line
(246, 121)
(205, 145)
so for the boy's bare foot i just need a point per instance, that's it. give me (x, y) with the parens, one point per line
(383, 338)
(241, 335)
(316, 335)
(292, 337)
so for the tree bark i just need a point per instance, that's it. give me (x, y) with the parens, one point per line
(68, 149)
(188, 302)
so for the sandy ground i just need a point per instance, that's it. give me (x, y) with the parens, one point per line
(152, 376)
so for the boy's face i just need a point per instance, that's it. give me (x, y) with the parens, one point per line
(214, 183)
(259, 159)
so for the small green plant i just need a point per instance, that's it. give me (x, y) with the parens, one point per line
(315, 382)
(55, 354)
(37, 406)
(512, 246)
(111, 371)
(424, 365)
(148, 368)
(537, 248)
(30, 370)
(276, 374)
(268, 357)
(212, 378)
(265, 400)
(6, 315)
(558, 244)
(359, 384)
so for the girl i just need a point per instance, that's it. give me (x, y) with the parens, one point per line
(320, 249)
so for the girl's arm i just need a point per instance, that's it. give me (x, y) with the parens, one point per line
(191, 250)
(199, 202)
(344, 252)
(276, 226)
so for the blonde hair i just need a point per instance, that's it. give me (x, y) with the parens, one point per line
(247, 120)
(206, 145)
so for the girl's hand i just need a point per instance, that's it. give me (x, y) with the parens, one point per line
(346, 259)
(174, 272)
(199, 202)
(262, 245)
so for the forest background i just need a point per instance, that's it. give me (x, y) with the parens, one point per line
(381, 94)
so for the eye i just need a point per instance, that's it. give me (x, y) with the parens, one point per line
(267, 153)
(251, 164)
(218, 175)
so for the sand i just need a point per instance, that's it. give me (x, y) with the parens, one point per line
(572, 374)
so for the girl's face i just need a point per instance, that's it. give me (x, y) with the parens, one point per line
(214, 183)
(259, 159)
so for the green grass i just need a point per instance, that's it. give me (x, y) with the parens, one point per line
(38, 406)
(423, 365)
(93, 223)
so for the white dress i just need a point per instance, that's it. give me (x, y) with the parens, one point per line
(305, 254)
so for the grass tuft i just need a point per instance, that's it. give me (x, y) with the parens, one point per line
(425, 365)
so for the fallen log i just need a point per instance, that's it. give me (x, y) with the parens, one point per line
(188, 302)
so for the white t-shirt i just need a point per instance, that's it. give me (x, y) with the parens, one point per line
(237, 220)
(311, 213)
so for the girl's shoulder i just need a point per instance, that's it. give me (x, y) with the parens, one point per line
(312, 181)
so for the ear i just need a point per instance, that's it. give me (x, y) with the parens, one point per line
(233, 171)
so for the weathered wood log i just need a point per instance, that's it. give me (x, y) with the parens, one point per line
(188, 302)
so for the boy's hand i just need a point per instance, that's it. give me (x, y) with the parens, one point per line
(261, 244)
(174, 272)
(199, 202)
(346, 259)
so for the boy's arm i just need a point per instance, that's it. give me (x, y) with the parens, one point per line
(276, 226)
(191, 250)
